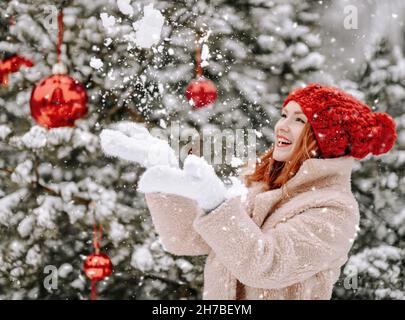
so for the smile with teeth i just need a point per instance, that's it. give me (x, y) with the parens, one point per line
(283, 143)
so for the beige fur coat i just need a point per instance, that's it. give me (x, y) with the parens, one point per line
(263, 248)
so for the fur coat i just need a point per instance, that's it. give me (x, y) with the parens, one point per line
(268, 247)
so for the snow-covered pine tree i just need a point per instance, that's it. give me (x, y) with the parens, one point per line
(54, 182)
(376, 266)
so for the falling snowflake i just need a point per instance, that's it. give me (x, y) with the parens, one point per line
(96, 63)
(149, 28)
(125, 7)
(107, 21)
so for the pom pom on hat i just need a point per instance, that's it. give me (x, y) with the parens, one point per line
(384, 139)
(342, 124)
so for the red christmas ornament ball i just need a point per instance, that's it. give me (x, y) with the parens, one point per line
(97, 266)
(201, 92)
(57, 101)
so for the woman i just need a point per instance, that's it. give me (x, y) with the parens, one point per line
(291, 234)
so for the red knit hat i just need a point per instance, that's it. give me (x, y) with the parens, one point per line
(342, 124)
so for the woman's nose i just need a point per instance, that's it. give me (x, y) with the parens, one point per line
(284, 126)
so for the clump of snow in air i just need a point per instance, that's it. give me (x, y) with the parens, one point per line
(258, 134)
(96, 63)
(236, 162)
(125, 7)
(205, 54)
(162, 123)
(107, 21)
(107, 42)
(149, 28)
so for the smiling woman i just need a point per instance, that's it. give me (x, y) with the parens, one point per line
(288, 131)
(283, 160)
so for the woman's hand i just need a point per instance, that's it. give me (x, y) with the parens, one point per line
(197, 181)
(132, 142)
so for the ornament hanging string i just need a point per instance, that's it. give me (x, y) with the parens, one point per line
(198, 57)
(96, 244)
(60, 33)
(97, 238)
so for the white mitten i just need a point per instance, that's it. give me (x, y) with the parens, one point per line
(197, 181)
(132, 142)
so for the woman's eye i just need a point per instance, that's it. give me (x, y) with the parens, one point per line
(299, 119)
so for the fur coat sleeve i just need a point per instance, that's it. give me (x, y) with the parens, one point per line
(289, 252)
(173, 217)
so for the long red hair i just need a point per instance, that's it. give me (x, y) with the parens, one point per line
(276, 173)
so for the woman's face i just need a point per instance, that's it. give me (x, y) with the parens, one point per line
(289, 129)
